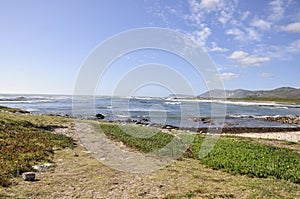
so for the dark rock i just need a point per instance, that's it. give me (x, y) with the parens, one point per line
(144, 120)
(99, 116)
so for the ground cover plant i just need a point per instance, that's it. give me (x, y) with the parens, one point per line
(236, 156)
(25, 142)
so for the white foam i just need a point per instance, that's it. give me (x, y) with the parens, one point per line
(244, 103)
(173, 103)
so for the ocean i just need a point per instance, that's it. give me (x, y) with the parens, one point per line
(164, 111)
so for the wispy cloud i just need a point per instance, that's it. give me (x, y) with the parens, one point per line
(211, 5)
(253, 59)
(294, 47)
(228, 76)
(247, 59)
(215, 48)
(200, 11)
(238, 55)
(245, 15)
(276, 10)
(292, 27)
(200, 36)
(284, 52)
(239, 35)
(266, 75)
(248, 34)
(261, 24)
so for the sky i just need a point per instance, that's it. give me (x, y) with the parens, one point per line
(43, 44)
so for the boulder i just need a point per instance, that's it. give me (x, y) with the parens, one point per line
(28, 176)
(99, 116)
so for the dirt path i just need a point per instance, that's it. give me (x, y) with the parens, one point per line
(115, 154)
(78, 174)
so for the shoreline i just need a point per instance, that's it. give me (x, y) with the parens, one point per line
(257, 132)
(252, 101)
(293, 120)
(77, 172)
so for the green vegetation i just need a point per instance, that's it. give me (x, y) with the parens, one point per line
(237, 156)
(185, 178)
(142, 143)
(252, 159)
(24, 142)
(264, 99)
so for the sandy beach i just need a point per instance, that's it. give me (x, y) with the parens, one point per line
(288, 136)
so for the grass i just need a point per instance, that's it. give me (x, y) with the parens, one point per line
(265, 99)
(236, 156)
(24, 142)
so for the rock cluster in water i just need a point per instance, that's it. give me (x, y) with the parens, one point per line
(284, 119)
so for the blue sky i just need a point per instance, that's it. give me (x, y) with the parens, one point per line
(254, 44)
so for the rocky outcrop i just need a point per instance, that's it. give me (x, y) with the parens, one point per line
(283, 119)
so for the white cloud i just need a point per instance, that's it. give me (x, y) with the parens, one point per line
(244, 58)
(284, 52)
(261, 24)
(248, 35)
(294, 47)
(216, 48)
(224, 10)
(211, 5)
(228, 76)
(252, 35)
(245, 15)
(253, 59)
(292, 27)
(225, 17)
(239, 35)
(276, 10)
(200, 36)
(238, 55)
(266, 75)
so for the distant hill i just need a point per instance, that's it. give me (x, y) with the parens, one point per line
(283, 92)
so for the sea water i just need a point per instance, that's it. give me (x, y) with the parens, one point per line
(164, 111)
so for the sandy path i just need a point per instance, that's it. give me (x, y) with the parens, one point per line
(115, 154)
(288, 136)
(78, 174)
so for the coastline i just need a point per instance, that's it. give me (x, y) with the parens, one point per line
(77, 172)
(246, 101)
